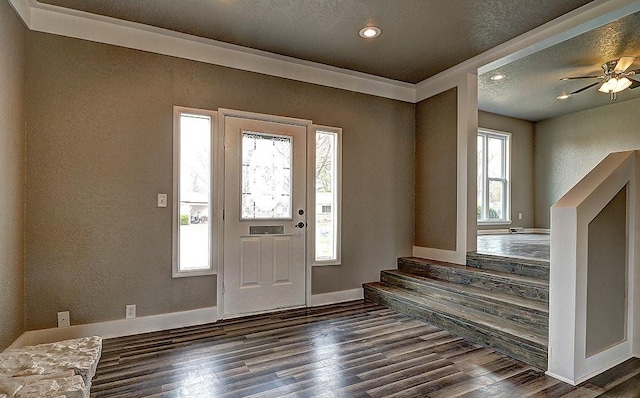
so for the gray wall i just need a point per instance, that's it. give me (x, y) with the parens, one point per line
(607, 280)
(13, 44)
(99, 149)
(522, 192)
(436, 171)
(568, 147)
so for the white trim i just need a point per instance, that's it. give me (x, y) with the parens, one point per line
(120, 327)
(72, 23)
(311, 195)
(572, 24)
(215, 209)
(20, 341)
(563, 379)
(223, 113)
(545, 231)
(490, 223)
(570, 218)
(503, 231)
(466, 137)
(467, 155)
(23, 8)
(82, 25)
(448, 256)
(589, 375)
(505, 137)
(336, 297)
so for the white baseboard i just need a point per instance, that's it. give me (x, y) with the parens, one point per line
(120, 327)
(538, 231)
(594, 373)
(448, 256)
(20, 341)
(505, 231)
(563, 379)
(336, 297)
(501, 231)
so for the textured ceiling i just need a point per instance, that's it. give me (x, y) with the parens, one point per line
(532, 83)
(419, 37)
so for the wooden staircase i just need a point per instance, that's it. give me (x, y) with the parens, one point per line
(498, 302)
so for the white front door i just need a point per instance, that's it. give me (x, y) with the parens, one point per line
(264, 218)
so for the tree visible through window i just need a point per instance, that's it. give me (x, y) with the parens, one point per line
(493, 177)
(326, 196)
(192, 189)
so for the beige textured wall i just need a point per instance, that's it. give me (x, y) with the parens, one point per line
(607, 280)
(568, 147)
(99, 150)
(435, 178)
(521, 165)
(13, 44)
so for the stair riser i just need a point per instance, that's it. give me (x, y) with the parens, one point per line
(534, 320)
(533, 269)
(521, 350)
(494, 284)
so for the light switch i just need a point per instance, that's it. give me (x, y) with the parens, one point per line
(162, 200)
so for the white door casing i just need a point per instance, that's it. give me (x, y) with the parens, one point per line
(264, 232)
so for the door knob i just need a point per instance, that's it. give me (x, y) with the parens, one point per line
(300, 225)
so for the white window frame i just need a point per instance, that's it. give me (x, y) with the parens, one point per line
(506, 180)
(215, 223)
(311, 196)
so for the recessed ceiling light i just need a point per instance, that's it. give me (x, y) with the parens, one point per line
(369, 32)
(497, 77)
(563, 96)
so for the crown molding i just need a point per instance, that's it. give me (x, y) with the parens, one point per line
(82, 25)
(572, 24)
(61, 21)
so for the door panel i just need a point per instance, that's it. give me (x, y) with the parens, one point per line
(264, 249)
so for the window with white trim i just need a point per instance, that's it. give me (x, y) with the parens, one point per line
(193, 189)
(493, 177)
(325, 198)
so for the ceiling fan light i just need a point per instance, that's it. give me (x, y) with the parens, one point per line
(623, 84)
(608, 86)
(615, 85)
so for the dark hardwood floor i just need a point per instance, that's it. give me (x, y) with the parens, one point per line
(348, 350)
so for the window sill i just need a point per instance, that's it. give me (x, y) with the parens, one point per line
(325, 263)
(500, 222)
(185, 274)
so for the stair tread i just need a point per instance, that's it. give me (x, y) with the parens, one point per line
(467, 314)
(525, 280)
(475, 291)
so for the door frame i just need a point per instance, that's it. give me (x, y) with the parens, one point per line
(223, 113)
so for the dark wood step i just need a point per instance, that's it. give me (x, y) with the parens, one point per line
(533, 314)
(495, 281)
(519, 266)
(486, 329)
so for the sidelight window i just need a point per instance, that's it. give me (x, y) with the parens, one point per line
(193, 190)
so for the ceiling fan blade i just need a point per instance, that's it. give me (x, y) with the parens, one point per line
(623, 63)
(584, 88)
(634, 84)
(580, 77)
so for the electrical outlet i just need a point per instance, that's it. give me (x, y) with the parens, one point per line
(519, 216)
(131, 311)
(64, 319)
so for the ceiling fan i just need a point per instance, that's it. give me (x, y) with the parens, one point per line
(616, 78)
